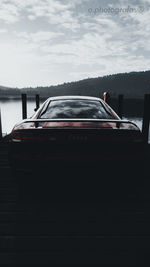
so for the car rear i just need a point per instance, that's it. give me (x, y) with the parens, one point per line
(75, 131)
(75, 144)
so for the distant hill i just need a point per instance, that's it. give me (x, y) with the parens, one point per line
(132, 85)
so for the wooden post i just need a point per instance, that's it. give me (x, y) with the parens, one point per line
(37, 101)
(146, 118)
(120, 106)
(106, 96)
(0, 126)
(24, 106)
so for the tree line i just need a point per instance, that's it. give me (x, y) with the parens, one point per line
(132, 85)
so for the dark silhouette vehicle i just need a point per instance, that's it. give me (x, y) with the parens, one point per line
(74, 130)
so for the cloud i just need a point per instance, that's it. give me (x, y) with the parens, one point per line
(90, 49)
(56, 13)
(3, 31)
(60, 40)
(59, 13)
(39, 36)
(11, 10)
(8, 12)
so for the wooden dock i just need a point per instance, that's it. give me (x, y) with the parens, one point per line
(37, 231)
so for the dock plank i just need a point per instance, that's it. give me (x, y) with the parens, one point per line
(36, 230)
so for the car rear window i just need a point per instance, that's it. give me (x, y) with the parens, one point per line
(91, 109)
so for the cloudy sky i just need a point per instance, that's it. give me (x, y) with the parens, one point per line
(45, 42)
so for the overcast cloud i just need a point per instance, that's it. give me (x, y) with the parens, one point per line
(45, 42)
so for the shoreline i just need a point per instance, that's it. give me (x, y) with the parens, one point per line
(131, 106)
(29, 96)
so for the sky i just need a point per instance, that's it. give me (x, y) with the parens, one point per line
(49, 42)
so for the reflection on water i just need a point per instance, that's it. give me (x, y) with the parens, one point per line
(11, 112)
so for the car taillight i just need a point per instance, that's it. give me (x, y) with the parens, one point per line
(28, 137)
(32, 138)
(16, 138)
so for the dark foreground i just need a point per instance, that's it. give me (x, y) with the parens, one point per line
(74, 216)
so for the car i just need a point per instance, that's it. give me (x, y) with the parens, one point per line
(74, 131)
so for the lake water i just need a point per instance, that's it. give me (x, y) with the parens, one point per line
(11, 113)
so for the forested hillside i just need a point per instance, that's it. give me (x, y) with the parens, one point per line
(132, 85)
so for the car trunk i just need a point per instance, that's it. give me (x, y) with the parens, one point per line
(76, 144)
(84, 159)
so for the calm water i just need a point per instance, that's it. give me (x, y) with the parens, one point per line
(11, 113)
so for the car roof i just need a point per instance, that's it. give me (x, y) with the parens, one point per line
(74, 97)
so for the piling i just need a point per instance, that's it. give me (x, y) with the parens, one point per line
(146, 118)
(106, 97)
(120, 106)
(0, 126)
(24, 106)
(37, 101)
